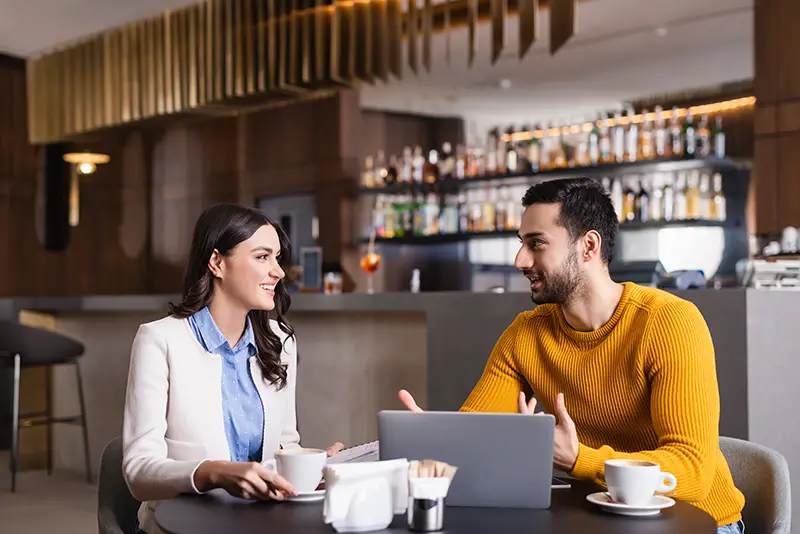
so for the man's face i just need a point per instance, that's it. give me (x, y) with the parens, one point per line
(547, 257)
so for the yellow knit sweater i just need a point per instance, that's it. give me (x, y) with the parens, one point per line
(643, 386)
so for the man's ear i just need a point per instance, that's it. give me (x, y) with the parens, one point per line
(592, 245)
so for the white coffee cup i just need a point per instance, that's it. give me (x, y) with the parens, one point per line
(633, 482)
(302, 468)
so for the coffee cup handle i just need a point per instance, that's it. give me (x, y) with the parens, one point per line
(667, 483)
(270, 464)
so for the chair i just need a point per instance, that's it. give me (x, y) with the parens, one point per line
(26, 346)
(116, 507)
(762, 475)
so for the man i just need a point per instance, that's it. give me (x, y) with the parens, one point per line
(628, 371)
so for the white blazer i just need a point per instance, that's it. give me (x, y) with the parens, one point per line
(173, 417)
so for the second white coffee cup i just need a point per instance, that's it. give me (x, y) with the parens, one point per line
(633, 482)
(302, 468)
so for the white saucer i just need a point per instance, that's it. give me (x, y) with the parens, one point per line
(307, 496)
(654, 507)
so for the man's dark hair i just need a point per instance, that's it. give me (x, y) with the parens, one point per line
(585, 206)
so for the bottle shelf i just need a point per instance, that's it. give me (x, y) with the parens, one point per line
(610, 170)
(466, 236)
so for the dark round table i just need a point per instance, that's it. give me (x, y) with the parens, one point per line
(219, 513)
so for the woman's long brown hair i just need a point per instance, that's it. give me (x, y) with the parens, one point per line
(221, 228)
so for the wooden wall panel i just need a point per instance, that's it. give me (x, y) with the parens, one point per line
(777, 88)
(94, 262)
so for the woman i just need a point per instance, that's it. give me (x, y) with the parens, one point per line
(211, 387)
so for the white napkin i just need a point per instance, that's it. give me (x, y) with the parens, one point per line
(428, 488)
(365, 496)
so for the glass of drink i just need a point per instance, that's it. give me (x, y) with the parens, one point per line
(370, 262)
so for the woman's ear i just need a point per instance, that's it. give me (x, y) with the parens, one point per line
(215, 264)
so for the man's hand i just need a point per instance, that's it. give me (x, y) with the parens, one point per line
(565, 446)
(526, 408)
(406, 398)
(565, 441)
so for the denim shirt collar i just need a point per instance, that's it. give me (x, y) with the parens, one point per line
(213, 338)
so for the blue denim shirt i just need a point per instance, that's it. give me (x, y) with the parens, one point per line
(241, 404)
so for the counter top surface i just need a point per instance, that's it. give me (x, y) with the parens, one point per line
(301, 302)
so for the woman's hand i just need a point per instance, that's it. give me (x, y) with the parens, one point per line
(335, 448)
(249, 480)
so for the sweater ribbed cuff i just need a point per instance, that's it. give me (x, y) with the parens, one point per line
(590, 463)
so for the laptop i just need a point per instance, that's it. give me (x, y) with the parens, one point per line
(503, 460)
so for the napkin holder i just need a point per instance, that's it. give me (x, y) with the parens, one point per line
(365, 497)
(426, 503)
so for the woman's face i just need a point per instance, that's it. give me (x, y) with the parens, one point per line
(249, 274)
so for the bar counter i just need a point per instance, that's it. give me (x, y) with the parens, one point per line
(356, 350)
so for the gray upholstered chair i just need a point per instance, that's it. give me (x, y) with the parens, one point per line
(116, 507)
(762, 474)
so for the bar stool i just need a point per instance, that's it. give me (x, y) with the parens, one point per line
(25, 346)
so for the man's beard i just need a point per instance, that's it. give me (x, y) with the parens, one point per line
(561, 286)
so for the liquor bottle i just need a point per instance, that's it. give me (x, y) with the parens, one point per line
(668, 197)
(417, 165)
(418, 207)
(703, 137)
(719, 137)
(657, 198)
(489, 210)
(476, 211)
(560, 152)
(675, 135)
(407, 168)
(617, 199)
(368, 172)
(379, 216)
(693, 196)
(381, 172)
(660, 134)
(521, 146)
(449, 224)
(461, 163)
(545, 154)
(648, 142)
(689, 135)
(387, 219)
(447, 162)
(580, 152)
(642, 204)
(594, 143)
(512, 211)
(704, 198)
(500, 213)
(407, 214)
(463, 214)
(397, 212)
(628, 201)
(534, 151)
(510, 156)
(392, 175)
(618, 138)
(500, 147)
(631, 138)
(605, 140)
(718, 202)
(430, 168)
(431, 215)
(491, 152)
(681, 201)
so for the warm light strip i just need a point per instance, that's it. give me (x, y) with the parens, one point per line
(716, 107)
(86, 157)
